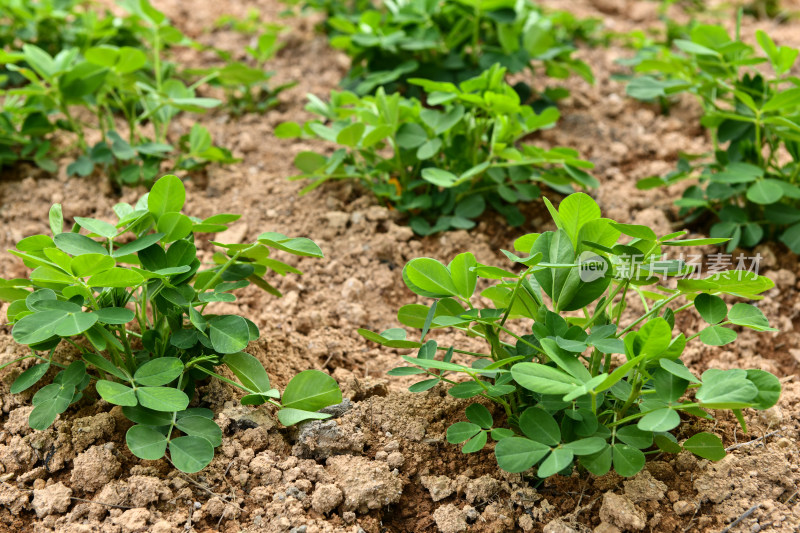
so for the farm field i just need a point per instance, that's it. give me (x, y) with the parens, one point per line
(383, 458)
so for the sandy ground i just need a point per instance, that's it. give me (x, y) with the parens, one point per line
(383, 465)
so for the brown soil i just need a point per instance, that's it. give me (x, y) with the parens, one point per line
(384, 465)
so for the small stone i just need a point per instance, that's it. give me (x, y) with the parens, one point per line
(337, 219)
(772, 417)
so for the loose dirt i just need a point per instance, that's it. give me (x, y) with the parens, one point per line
(382, 464)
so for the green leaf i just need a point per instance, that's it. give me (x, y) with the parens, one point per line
(479, 414)
(351, 135)
(147, 417)
(587, 446)
(711, 308)
(29, 378)
(411, 135)
(769, 388)
(464, 279)
(100, 227)
(540, 426)
(162, 398)
(90, 264)
(104, 364)
(462, 431)
(296, 246)
(628, 461)
(637, 231)
(694, 48)
(422, 386)
(749, 316)
(249, 370)
(428, 277)
(705, 445)
(543, 379)
(288, 130)
(159, 371)
(77, 244)
(167, 195)
(311, 390)
(228, 333)
(138, 245)
(439, 177)
(116, 277)
(598, 463)
(146, 443)
(56, 219)
(782, 100)
(290, 417)
(200, 426)
(765, 192)
(114, 315)
(726, 392)
(717, 336)
(190, 454)
(558, 460)
(476, 443)
(174, 226)
(517, 454)
(678, 369)
(666, 443)
(635, 437)
(659, 420)
(576, 210)
(116, 393)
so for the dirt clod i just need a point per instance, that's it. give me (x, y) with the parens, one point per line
(51, 499)
(621, 512)
(365, 484)
(326, 498)
(644, 487)
(450, 519)
(440, 487)
(94, 468)
(558, 526)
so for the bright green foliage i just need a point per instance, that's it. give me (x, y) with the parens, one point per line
(53, 25)
(246, 82)
(454, 40)
(136, 292)
(565, 394)
(442, 166)
(108, 81)
(747, 183)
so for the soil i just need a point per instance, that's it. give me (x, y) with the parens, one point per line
(382, 464)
